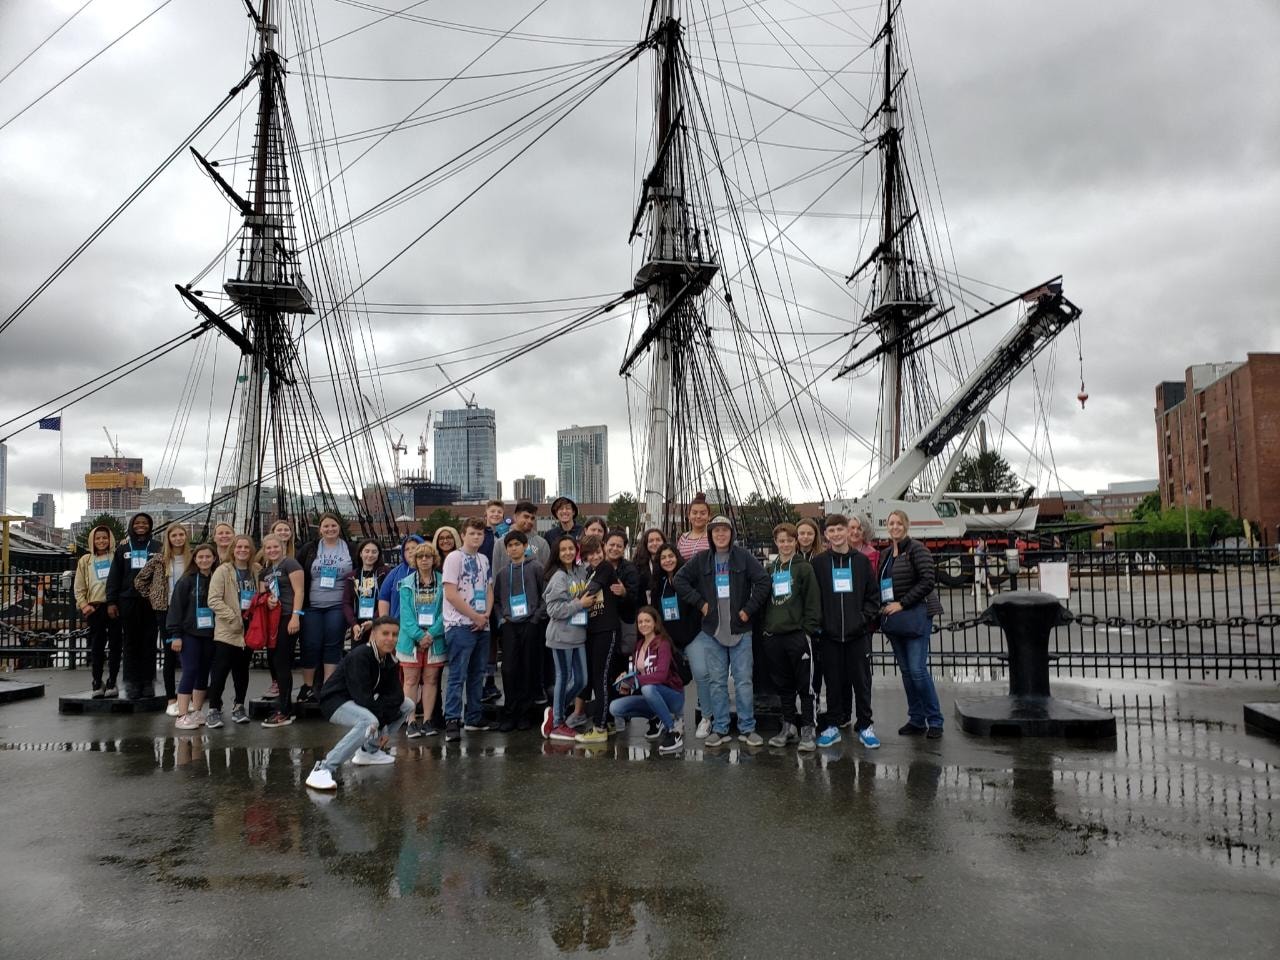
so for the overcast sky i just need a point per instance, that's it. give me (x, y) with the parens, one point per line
(1132, 147)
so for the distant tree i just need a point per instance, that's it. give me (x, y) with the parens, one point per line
(985, 472)
(624, 512)
(101, 520)
(437, 518)
(759, 515)
(1149, 507)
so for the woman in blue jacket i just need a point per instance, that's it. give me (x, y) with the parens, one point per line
(420, 646)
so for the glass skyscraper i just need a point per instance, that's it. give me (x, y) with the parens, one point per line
(582, 456)
(466, 451)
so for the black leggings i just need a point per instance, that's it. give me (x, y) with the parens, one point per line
(104, 644)
(172, 661)
(602, 652)
(138, 626)
(521, 667)
(282, 659)
(229, 660)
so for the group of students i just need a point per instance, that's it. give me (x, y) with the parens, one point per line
(592, 636)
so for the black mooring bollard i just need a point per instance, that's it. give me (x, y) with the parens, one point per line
(1030, 710)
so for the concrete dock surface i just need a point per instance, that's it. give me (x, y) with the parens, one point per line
(123, 837)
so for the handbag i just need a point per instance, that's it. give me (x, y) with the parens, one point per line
(933, 602)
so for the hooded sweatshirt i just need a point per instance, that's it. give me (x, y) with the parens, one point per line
(695, 582)
(793, 605)
(562, 599)
(92, 571)
(411, 629)
(132, 554)
(847, 613)
(390, 589)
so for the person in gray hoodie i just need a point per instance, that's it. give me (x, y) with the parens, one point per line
(730, 587)
(566, 601)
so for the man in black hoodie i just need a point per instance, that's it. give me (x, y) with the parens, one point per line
(364, 695)
(850, 604)
(730, 587)
(137, 621)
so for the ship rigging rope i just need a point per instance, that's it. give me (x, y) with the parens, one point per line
(40, 46)
(115, 214)
(83, 64)
(514, 354)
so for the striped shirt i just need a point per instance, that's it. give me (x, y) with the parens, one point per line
(689, 546)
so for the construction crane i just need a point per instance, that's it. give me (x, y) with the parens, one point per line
(471, 404)
(397, 448)
(115, 444)
(422, 448)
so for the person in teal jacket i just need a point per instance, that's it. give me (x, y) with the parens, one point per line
(420, 646)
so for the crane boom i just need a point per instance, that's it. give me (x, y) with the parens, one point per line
(1050, 315)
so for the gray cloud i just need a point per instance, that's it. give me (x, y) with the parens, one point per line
(1133, 149)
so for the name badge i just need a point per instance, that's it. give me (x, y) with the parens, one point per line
(426, 616)
(328, 577)
(670, 608)
(782, 583)
(579, 619)
(246, 598)
(478, 599)
(722, 586)
(886, 590)
(501, 529)
(204, 618)
(364, 609)
(519, 606)
(274, 585)
(842, 579)
(137, 559)
(101, 568)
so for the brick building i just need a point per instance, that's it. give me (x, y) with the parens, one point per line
(1216, 432)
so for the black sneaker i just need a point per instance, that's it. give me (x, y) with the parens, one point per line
(491, 693)
(277, 719)
(655, 730)
(110, 693)
(506, 726)
(911, 730)
(305, 695)
(413, 730)
(934, 733)
(452, 731)
(671, 742)
(524, 723)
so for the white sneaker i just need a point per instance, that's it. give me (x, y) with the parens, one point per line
(320, 778)
(172, 709)
(371, 758)
(704, 728)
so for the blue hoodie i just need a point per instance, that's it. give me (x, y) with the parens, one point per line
(410, 631)
(390, 589)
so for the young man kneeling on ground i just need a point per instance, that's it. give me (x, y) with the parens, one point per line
(363, 695)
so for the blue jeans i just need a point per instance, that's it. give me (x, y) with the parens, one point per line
(571, 680)
(322, 631)
(908, 633)
(653, 700)
(468, 652)
(717, 663)
(363, 731)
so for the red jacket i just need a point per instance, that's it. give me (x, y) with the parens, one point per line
(264, 623)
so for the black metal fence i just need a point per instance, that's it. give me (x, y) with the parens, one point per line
(1174, 613)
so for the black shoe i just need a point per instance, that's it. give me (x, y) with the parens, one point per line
(935, 733)
(655, 730)
(523, 723)
(491, 693)
(453, 731)
(911, 730)
(98, 691)
(671, 742)
(305, 695)
(506, 726)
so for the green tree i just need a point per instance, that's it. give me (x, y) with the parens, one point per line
(759, 515)
(437, 518)
(1149, 507)
(985, 472)
(101, 520)
(624, 512)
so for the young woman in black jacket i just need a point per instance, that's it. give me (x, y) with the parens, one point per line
(906, 583)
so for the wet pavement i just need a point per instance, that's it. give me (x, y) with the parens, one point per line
(121, 838)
